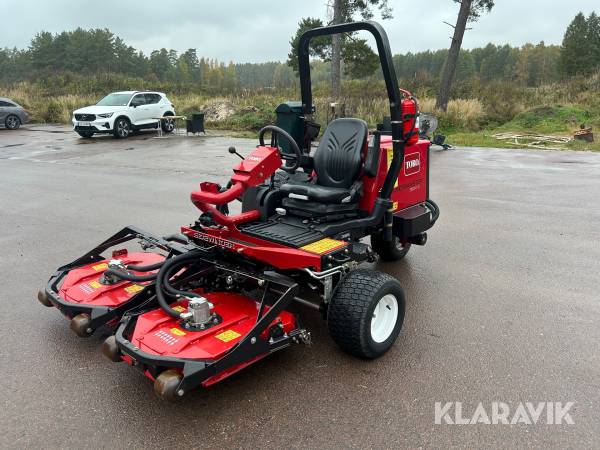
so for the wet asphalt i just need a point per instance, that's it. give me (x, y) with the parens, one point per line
(503, 305)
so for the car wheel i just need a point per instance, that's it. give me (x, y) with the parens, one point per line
(122, 128)
(85, 134)
(393, 250)
(366, 313)
(168, 125)
(12, 122)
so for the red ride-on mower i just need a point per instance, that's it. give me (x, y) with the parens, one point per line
(221, 301)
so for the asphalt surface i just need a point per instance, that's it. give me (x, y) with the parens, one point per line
(503, 305)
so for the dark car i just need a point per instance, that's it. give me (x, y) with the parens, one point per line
(12, 115)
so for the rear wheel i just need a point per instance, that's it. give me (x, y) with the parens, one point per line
(12, 122)
(122, 128)
(393, 250)
(85, 134)
(168, 125)
(366, 313)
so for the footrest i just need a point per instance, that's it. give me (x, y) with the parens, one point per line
(282, 233)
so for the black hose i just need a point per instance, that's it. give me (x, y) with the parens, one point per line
(161, 278)
(168, 288)
(147, 268)
(129, 277)
(435, 210)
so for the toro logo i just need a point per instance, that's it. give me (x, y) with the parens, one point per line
(213, 240)
(255, 158)
(412, 164)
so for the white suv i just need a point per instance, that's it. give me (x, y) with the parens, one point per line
(120, 113)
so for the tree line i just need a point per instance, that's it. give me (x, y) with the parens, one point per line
(88, 53)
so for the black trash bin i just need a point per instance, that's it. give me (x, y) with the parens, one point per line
(290, 118)
(195, 124)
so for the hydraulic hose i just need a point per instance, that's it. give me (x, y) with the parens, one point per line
(147, 268)
(161, 280)
(168, 288)
(129, 277)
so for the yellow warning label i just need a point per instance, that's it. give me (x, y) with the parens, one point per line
(134, 288)
(228, 335)
(179, 308)
(323, 246)
(102, 266)
(178, 332)
(395, 206)
(390, 157)
(94, 284)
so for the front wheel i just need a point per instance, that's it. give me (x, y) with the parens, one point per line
(122, 128)
(366, 313)
(12, 122)
(393, 250)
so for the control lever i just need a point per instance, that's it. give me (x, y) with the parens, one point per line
(233, 151)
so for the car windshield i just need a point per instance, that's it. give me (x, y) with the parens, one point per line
(115, 100)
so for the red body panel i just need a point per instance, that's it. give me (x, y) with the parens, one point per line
(158, 333)
(82, 285)
(411, 188)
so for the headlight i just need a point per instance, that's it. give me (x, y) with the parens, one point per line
(105, 116)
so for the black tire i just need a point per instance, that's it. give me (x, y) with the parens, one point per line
(85, 134)
(166, 385)
(12, 122)
(168, 126)
(81, 325)
(352, 308)
(389, 251)
(122, 128)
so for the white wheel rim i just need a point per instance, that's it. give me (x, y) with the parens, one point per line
(385, 316)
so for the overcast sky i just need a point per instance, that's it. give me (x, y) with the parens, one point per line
(259, 30)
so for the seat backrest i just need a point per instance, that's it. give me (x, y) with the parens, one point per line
(338, 158)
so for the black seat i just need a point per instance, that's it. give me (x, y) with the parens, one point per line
(337, 163)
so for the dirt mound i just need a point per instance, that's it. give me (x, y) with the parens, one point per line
(218, 110)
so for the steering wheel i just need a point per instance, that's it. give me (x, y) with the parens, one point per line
(293, 159)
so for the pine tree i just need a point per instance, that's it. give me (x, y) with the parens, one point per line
(575, 58)
(593, 39)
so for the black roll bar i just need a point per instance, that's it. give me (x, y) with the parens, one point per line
(391, 83)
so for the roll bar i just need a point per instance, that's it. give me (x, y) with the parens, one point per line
(389, 75)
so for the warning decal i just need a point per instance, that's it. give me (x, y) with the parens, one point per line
(228, 335)
(324, 246)
(177, 332)
(102, 266)
(390, 157)
(179, 308)
(134, 288)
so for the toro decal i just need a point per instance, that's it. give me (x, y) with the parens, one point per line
(412, 164)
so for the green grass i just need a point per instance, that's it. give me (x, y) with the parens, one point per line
(558, 119)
